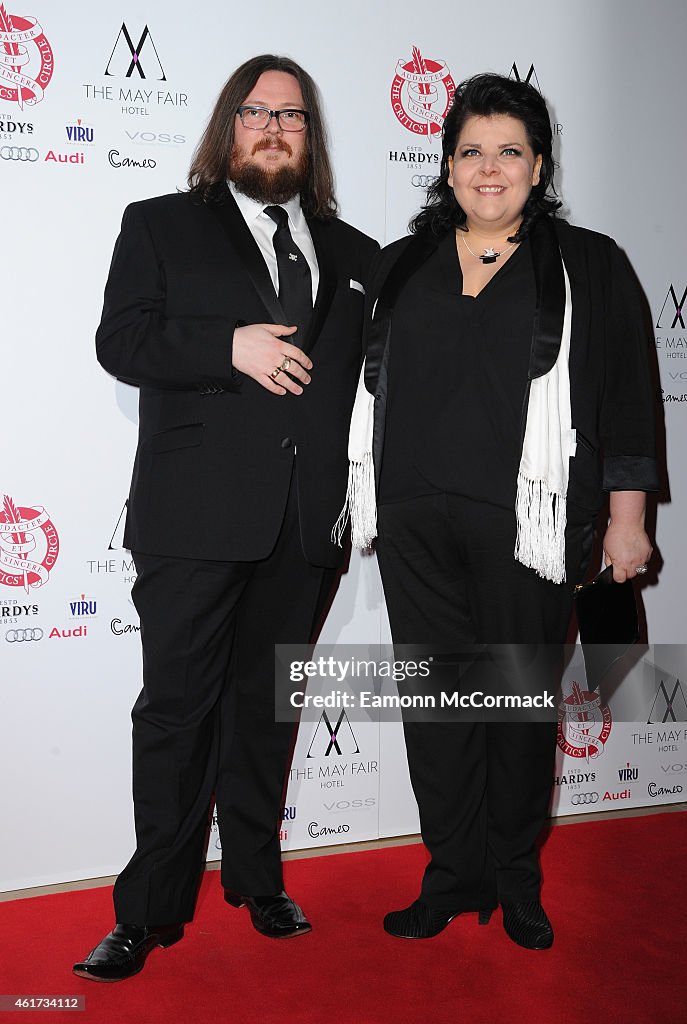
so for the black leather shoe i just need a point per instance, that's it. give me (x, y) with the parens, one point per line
(276, 916)
(419, 921)
(527, 925)
(123, 952)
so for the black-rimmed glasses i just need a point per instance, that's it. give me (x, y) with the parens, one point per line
(260, 117)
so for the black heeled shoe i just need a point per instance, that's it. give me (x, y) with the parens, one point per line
(419, 921)
(527, 925)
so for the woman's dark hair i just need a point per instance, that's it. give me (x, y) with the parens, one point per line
(483, 96)
(210, 163)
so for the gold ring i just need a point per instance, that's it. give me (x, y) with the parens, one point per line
(275, 372)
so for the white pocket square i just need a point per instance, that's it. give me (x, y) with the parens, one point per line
(358, 287)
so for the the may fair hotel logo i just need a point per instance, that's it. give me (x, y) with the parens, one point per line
(134, 74)
(671, 343)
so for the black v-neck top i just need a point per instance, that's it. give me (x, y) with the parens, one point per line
(457, 381)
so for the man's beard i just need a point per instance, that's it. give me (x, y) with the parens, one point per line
(266, 186)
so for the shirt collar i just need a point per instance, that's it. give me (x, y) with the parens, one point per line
(251, 209)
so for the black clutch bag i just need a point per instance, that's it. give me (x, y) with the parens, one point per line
(608, 623)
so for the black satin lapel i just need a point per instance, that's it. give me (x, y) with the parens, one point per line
(419, 248)
(548, 317)
(240, 237)
(326, 287)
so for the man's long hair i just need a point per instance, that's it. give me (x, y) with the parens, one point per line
(210, 163)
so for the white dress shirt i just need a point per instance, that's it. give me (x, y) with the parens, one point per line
(262, 228)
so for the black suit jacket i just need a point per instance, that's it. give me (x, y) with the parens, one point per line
(613, 408)
(215, 451)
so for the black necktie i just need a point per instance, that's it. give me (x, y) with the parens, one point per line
(295, 281)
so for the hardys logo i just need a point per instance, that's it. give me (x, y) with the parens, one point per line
(126, 57)
(29, 545)
(26, 60)
(584, 724)
(328, 737)
(421, 94)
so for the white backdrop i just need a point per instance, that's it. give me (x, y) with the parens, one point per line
(91, 134)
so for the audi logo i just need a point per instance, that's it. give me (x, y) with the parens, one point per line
(18, 636)
(584, 798)
(423, 180)
(29, 155)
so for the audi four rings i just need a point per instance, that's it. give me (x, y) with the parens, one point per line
(423, 180)
(29, 154)
(584, 798)
(18, 636)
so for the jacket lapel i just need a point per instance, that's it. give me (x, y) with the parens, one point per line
(241, 239)
(419, 248)
(323, 245)
(548, 317)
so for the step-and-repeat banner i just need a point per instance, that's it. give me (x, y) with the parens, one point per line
(100, 107)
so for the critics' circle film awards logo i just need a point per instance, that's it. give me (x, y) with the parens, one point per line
(421, 94)
(584, 724)
(29, 545)
(26, 60)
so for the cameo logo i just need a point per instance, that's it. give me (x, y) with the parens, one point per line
(653, 790)
(624, 795)
(29, 545)
(584, 724)
(26, 155)
(421, 94)
(579, 799)
(83, 607)
(64, 158)
(26, 60)
(156, 138)
(120, 628)
(126, 57)
(672, 310)
(115, 160)
(339, 737)
(19, 636)
(669, 705)
(630, 773)
(423, 180)
(79, 134)
(315, 832)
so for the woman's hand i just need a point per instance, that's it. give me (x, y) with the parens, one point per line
(626, 545)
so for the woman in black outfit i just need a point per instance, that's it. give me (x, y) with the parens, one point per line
(505, 389)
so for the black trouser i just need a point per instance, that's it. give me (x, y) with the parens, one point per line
(204, 722)
(482, 788)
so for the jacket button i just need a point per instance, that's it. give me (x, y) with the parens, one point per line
(286, 442)
(378, 397)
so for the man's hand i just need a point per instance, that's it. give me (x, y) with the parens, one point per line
(258, 349)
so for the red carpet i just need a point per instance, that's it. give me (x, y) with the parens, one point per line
(615, 891)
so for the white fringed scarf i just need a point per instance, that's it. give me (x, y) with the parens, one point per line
(542, 486)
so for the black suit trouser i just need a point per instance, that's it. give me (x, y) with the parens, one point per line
(483, 787)
(204, 721)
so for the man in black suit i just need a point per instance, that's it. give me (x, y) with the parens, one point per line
(237, 309)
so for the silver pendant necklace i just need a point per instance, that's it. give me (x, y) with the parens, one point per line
(489, 255)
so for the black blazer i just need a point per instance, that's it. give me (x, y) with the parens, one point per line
(613, 409)
(216, 450)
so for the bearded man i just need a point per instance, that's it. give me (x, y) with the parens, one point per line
(236, 308)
